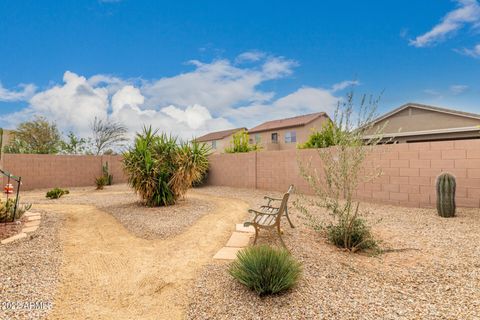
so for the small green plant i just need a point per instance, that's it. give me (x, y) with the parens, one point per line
(106, 174)
(7, 209)
(240, 143)
(446, 187)
(321, 139)
(56, 193)
(266, 270)
(101, 182)
(352, 233)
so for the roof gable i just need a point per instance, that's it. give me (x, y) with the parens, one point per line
(288, 122)
(414, 118)
(427, 107)
(218, 135)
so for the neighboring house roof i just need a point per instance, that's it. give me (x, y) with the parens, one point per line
(427, 107)
(288, 122)
(466, 128)
(218, 135)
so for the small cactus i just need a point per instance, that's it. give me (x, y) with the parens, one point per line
(446, 186)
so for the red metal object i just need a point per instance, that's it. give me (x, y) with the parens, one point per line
(8, 189)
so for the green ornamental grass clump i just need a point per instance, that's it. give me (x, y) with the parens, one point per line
(56, 193)
(266, 270)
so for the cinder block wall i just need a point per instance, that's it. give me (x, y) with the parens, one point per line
(48, 171)
(409, 171)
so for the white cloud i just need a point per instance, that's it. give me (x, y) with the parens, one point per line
(213, 96)
(344, 84)
(217, 85)
(302, 101)
(250, 56)
(473, 52)
(457, 89)
(468, 12)
(194, 116)
(24, 94)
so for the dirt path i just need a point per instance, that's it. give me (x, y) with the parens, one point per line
(108, 273)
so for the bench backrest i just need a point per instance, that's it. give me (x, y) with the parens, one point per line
(284, 204)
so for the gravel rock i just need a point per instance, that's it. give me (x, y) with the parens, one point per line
(431, 270)
(29, 272)
(122, 203)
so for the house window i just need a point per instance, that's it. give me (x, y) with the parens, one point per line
(258, 138)
(290, 137)
(214, 144)
(275, 137)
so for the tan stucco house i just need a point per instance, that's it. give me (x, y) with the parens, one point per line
(219, 140)
(413, 122)
(286, 133)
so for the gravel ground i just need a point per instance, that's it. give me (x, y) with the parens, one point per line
(11, 228)
(430, 271)
(121, 202)
(29, 271)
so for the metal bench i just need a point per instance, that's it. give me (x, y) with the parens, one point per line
(269, 216)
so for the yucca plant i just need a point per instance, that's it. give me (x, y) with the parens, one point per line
(266, 270)
(161, 169)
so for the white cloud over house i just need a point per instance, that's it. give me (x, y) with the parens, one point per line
(466, 13)
(212, 96)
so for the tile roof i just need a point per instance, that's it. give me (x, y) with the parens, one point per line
(218, 135)
(288, 122)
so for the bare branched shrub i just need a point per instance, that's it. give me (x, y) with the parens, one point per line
(107, 134)
(335, 182)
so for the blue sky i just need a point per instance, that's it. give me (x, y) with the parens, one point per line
(194, 66)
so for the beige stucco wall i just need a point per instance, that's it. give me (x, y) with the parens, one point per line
(221, 144)
(49, 171)
(409, 171)
(302, 132)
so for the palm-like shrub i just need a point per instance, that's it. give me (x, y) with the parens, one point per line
(161, 169)
(266, 270)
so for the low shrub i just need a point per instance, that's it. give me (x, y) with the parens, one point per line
(7, 209)
(101, 182)
(56, 193)
(352, 233)
(266, 270)
(322, 139)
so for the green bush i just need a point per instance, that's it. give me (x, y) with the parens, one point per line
(56, 193)
(322, 139)
(351, 233)
(101, 182)
(160, 169)
(266, 270)
(7, 209)
(241, 143)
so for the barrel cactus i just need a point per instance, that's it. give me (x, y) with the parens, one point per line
(446, 186)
